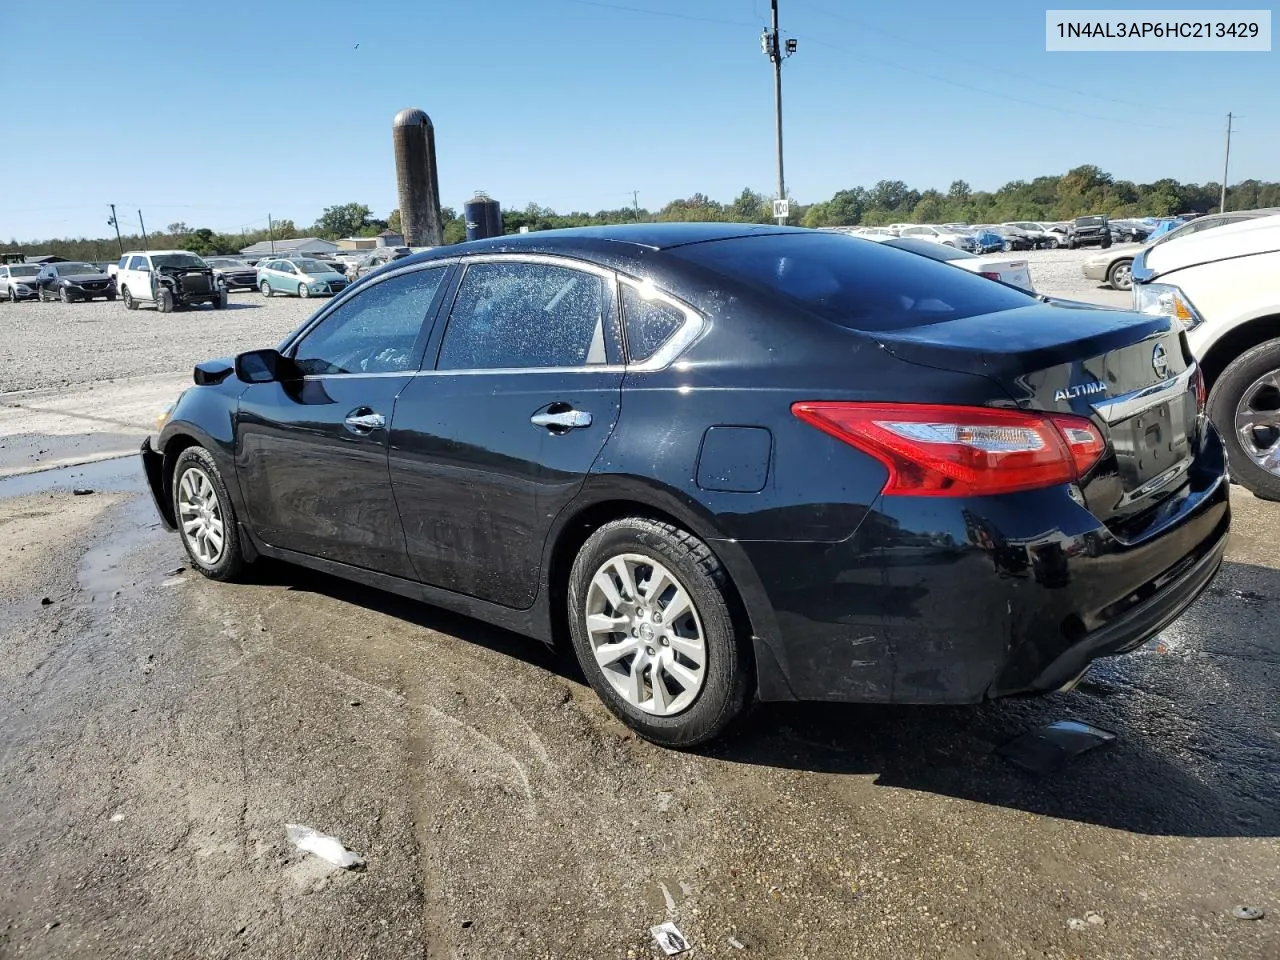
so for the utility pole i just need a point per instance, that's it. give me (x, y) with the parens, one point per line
(773, 47)
(271, 232)
(145, 241)
(635, 202)
(1226, 162)
(112, 221)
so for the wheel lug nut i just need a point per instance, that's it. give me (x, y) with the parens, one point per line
(650, 651)
(657, 616)
(635, 631)
(666, 642)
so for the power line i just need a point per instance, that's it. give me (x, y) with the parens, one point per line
(862, 24)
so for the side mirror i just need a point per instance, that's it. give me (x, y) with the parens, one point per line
(265, 366)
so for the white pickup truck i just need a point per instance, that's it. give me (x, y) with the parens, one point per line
(1222, 286)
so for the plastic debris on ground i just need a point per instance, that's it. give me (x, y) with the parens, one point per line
(1048, 748)
(669, 938)
(737, 944)
(323, 846)
(1247, 913)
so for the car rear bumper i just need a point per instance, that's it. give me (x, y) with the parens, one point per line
(1095, 271)
(958, 601)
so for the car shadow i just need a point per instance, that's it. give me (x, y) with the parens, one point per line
(1194, 713)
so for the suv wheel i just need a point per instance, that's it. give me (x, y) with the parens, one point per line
(43, 295)
(206, 518)
(652, 629)
(127, 297)
(1245, 407)
(164, 301)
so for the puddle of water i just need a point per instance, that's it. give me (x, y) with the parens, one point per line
(111, 566)
(123, 474)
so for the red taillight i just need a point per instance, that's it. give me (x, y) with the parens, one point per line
(1202, 393)
(945, 451)
(990, 275)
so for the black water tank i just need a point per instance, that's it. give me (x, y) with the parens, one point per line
(483, 216)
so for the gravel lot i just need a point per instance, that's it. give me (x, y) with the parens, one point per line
(60, 345)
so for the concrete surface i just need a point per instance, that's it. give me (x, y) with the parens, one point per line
(157, 731)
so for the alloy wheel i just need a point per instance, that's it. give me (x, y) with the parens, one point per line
(1257, 422)
(646, 635)
(201, 516)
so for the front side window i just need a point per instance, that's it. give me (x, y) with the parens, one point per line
(649, 323)
(138, 263)
(374, 331)
(524, 315)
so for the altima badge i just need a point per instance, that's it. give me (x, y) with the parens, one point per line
(1081, 390)
(1160, 361)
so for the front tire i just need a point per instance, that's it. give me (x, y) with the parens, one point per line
(264, 288)
(42, 295)
(129, 302)
(1245, 407)
(304, 291)
(205, 516)
(64, 295)
(1120, 276)
(649, 610)
(164, 301)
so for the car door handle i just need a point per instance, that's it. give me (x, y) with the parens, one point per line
(362, 420)
(562, 420)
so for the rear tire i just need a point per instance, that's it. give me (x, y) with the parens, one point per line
(722, 693)
(201, 502)
(221, 301)
(1052, 243)
(1245, 407)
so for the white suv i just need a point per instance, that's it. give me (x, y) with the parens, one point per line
(171, 279)
(1221, 286)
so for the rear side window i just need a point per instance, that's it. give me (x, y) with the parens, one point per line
(649, 323)
(524, 315)
(858, 284)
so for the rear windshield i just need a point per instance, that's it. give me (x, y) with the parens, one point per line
(856, 283)
(927, 248)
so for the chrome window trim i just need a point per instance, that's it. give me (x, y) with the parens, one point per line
(1123, 407)
(694, 325)
(678, 342)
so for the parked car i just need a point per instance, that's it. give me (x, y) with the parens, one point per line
(72, 281)
(801, 440)
(301, 276)
(171, 279)
(378, 258)
(1129, 231)
(17, 281)
(1219, 285)
(1114, 267)
(1008, 239)
(1087, 231)
(1013, 271)
(1042, 233)
(233, 273)
(948, 238)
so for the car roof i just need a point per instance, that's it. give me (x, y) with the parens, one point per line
(154, 253)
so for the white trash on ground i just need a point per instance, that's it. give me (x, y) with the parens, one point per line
(669, 938)
(322, 845)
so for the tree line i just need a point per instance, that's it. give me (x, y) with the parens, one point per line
(1083, 190)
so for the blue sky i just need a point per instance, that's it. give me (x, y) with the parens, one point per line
(575, 103)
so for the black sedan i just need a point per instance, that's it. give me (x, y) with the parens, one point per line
(724, 463)
(74, 281)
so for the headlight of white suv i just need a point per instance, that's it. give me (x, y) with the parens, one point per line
(1166, 300)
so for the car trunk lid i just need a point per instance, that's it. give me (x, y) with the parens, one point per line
(1130, 374)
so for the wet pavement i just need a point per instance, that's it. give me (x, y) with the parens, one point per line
(157, 731)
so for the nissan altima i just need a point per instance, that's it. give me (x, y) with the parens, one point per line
(723, 464)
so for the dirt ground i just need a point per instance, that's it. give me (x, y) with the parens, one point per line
(157, 732)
